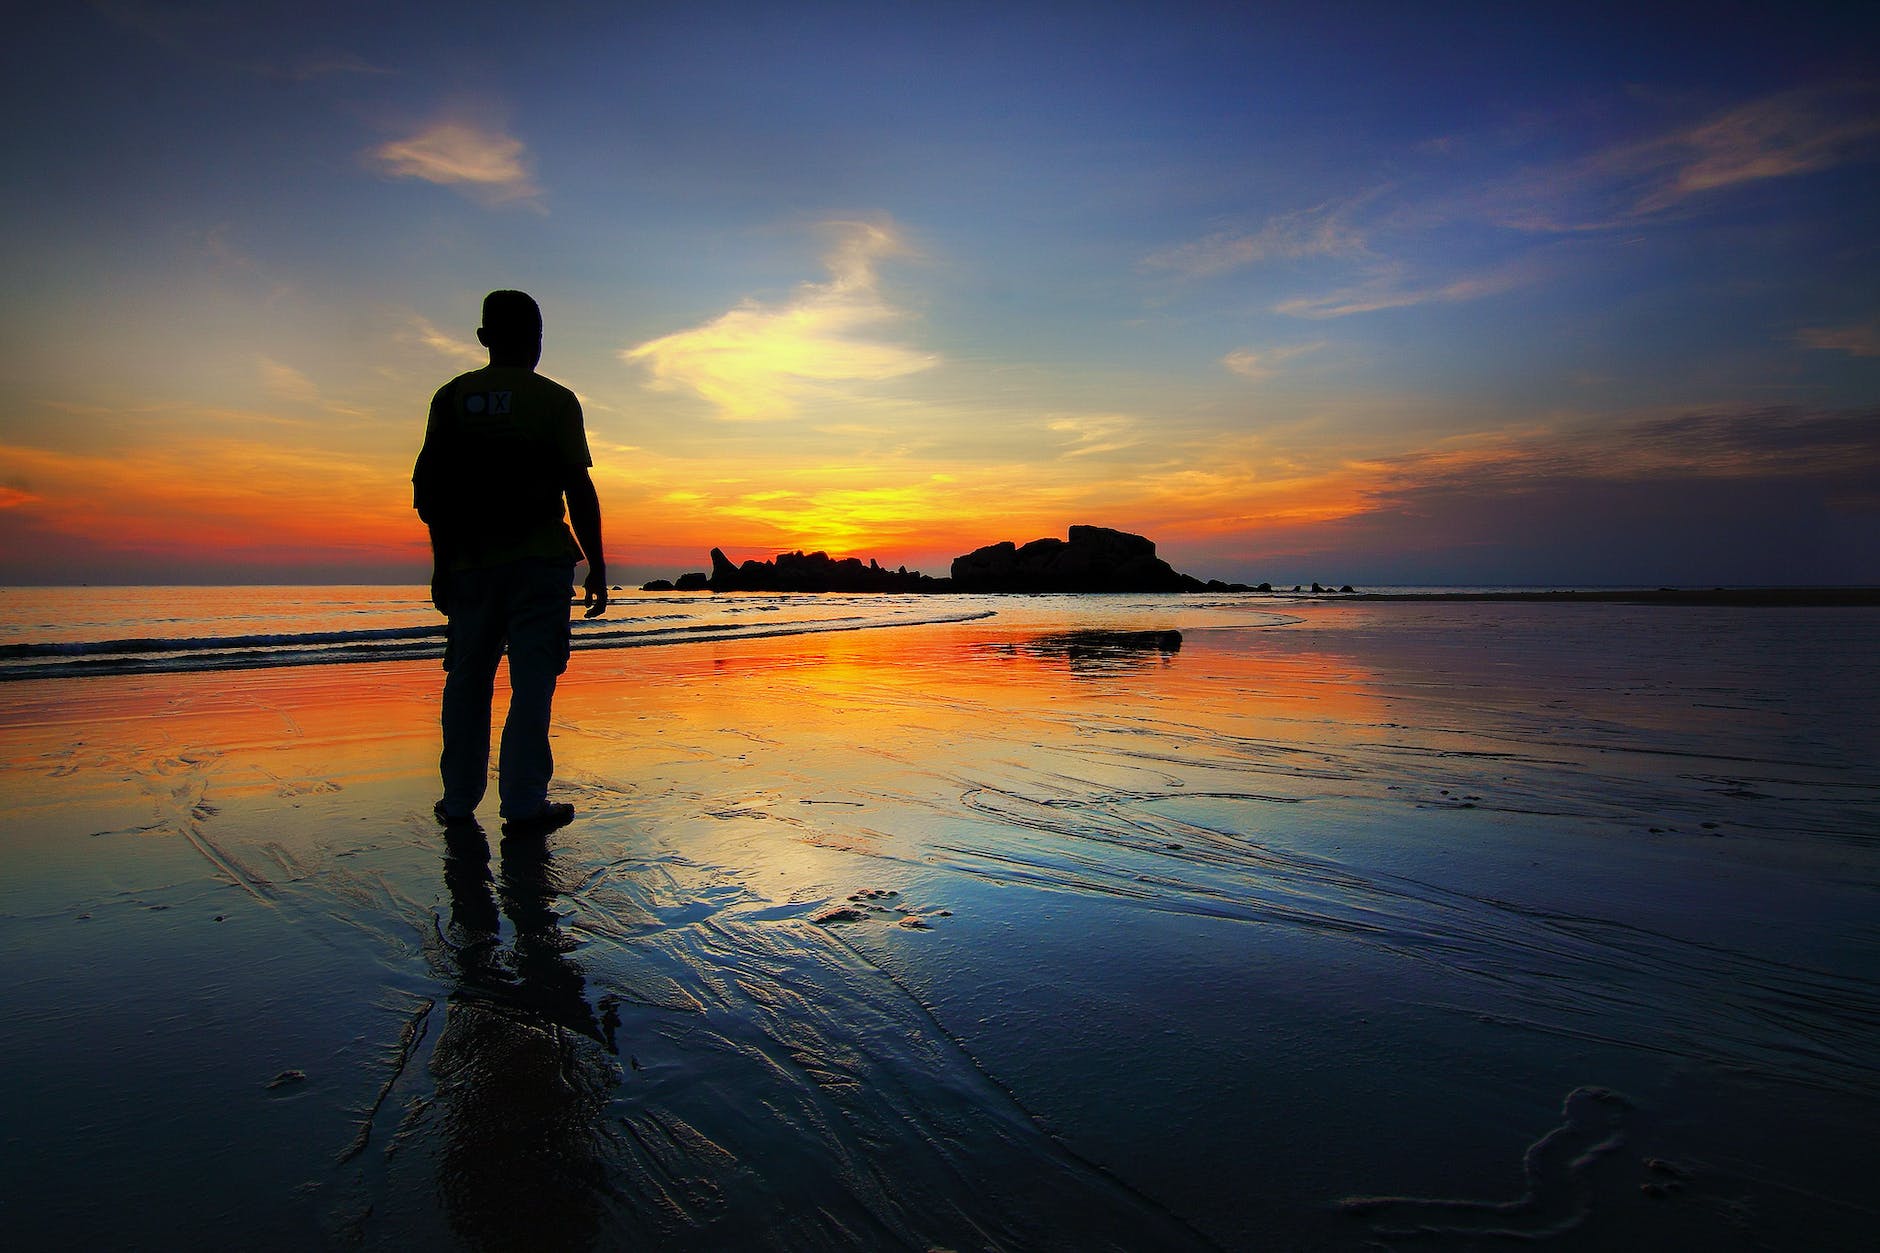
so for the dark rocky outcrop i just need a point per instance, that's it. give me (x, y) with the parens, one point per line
(1093, 559)
(1090, 559)
(1100, 644)
(814, 572)
(1101, 651)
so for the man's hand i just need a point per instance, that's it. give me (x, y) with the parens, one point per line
(594, 592)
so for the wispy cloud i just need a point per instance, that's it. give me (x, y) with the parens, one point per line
(450, 346)
(1797, 132)
(1264, 363)
(1669, 172)
(762, 361)
(1091, 434)
(1730, 444)
(1322, 231)
(1676, 170)
(1389, 290)
(483, 163)
(284, 382)
(1861, 339)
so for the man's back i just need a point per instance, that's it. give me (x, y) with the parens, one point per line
(500, 447)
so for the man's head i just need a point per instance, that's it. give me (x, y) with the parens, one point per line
(512, 328)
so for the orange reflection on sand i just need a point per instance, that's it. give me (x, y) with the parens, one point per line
(279, 730)
(945, 693)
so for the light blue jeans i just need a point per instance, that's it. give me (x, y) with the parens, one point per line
(522, 606)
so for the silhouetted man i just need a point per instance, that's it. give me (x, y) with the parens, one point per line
(502, 446)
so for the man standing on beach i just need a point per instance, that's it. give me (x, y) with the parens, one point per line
(502, 446)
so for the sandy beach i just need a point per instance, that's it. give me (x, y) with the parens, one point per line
(1332, 926)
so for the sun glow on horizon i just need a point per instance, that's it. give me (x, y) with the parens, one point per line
(1276, 309)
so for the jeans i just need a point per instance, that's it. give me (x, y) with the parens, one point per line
(523, 605)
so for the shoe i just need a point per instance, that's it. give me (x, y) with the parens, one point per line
(446, 819)
(552, 816)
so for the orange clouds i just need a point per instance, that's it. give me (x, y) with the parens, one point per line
(199, 499)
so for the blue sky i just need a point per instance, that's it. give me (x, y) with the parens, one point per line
(1372, 293)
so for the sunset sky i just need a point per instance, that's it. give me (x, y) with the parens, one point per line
(1370, 293)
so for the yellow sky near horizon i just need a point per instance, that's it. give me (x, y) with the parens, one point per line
(1288, 301)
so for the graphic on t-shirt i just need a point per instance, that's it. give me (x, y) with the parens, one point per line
(488, 402)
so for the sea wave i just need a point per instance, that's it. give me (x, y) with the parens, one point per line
(152, 655)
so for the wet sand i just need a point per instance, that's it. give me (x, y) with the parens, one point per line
(1417, 922)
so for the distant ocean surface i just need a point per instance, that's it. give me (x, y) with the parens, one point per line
(66, 631)
(47, 631)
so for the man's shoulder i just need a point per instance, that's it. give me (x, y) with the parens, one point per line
(555, 391)
(515, 378)
(469, 378)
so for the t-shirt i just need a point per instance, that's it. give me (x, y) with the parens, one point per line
(500, 445)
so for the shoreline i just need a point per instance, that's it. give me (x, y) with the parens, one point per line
(1732, 597)
(1726, 597)
(970, 929)
(25, 662)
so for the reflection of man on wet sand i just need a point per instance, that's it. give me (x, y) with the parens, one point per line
(524, 1071)
(502, 447)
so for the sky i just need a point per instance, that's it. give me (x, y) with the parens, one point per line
(1366, 293)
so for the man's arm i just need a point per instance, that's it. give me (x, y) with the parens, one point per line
(440, 570)
(584, 516)
(426, 498)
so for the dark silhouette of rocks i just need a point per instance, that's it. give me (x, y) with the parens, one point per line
(1090, 559)
(814, 572)
(1093, 559)
(1100, 645)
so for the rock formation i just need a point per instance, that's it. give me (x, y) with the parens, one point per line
(814, 572)
(1093, 559)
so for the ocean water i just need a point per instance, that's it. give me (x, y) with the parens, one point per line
(47, 631)
(1328, 925)
(120, 630)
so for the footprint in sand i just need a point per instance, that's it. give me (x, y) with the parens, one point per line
(1559, 1188)
(878, 905)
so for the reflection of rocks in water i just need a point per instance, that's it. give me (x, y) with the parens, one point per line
(523, 1069)
(1106, 650)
